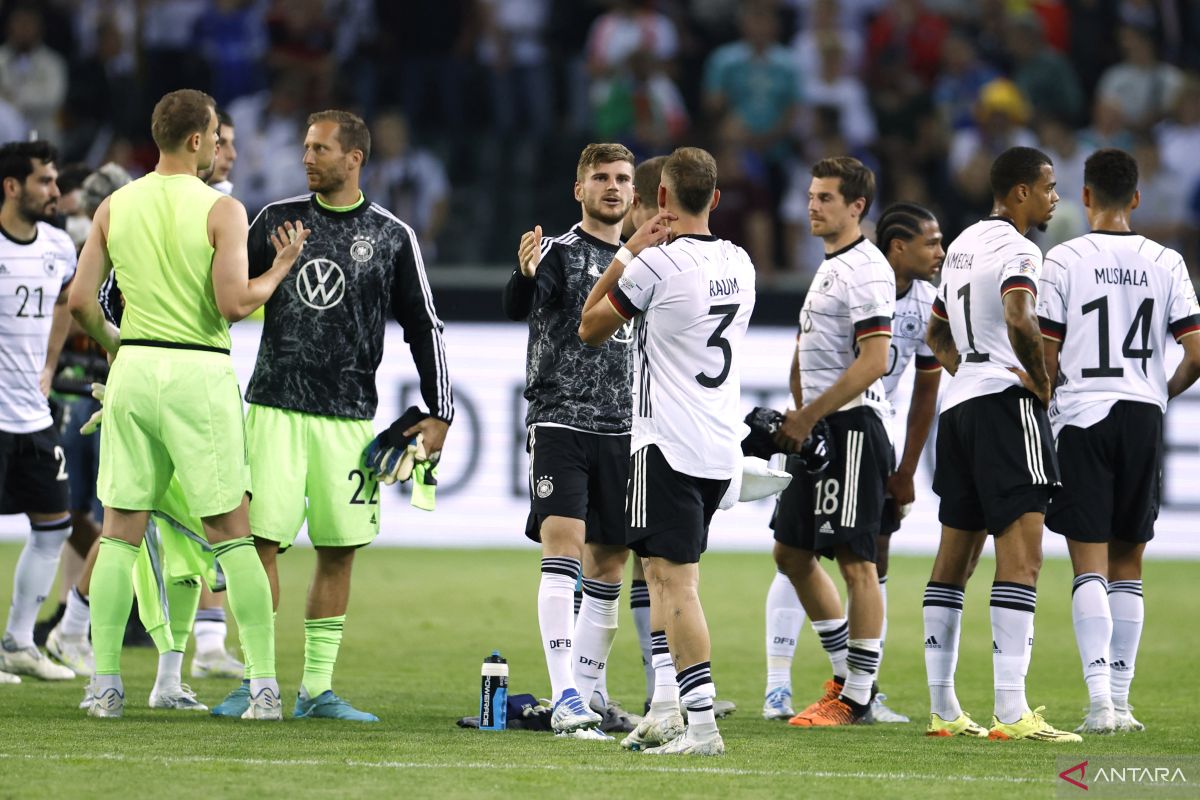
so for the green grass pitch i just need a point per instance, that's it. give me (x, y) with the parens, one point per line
(421, 621)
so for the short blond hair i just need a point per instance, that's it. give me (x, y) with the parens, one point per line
(692, 175)
(603, 153)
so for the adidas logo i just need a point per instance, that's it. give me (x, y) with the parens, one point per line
(1099, 662)
(932, 644)
(3, 270)
(826, 527)
(1119, 665)
(995, 647)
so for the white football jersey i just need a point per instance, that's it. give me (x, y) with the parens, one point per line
(32, 274)
(1110, 299)
(909, 324)
(852, 296)
(987, 261)
(692, 299)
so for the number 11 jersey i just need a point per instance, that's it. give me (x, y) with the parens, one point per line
(986, 262)
(1110, 299)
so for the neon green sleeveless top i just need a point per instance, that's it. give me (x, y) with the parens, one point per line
(158, 243)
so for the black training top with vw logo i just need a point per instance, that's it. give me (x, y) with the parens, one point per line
(566, 381)
(323, 337)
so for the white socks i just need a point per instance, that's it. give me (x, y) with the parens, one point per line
(170, 671)
(556, 599)
(1012, 610)
(77, 617)
(942, 611)
(595, 630)
(862, 661)
(210, 630)
(639, 605)
(1093, 632)
(666, 688)
(834, 635)
(34, 577)
(1128, 612)
(785, 617)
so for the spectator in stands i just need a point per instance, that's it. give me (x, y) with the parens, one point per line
(1043, 74)
(1141, 85)
(754, 79)
(33, 78)
(232, 39)
(1057, 139)
(833, 86)
(513, 50)
(963, 74)
(824, 22)
(744, 215)
(424, 61)
(301, 40)
(102, 99)
(1108, 127)
(269, 128)
(1001, 113)
(169, 59)
(631, 26)
(408, 181)
(1163, 213)
(909, 31)
(1179, 136)
(641, 107)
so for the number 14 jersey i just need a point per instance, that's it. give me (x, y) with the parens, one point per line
(1110, 299)
(986, 262)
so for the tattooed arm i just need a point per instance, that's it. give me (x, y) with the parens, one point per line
(1025, 335)
(940, 339)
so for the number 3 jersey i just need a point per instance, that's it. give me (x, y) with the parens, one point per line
(32, 275)
(852, 297)
(1110, 299)
(986, 262)
(692, 299)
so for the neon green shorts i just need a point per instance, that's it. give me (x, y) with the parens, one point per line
(310, 469)
(171, 412)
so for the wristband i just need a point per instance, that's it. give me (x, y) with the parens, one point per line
(624, 256)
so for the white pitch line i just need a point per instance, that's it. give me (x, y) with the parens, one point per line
(485, 765)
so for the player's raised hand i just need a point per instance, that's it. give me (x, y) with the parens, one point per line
(529, 253)
(288, 240)
(655, 230)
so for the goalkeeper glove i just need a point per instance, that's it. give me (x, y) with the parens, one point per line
(391, 455)
(93, 422)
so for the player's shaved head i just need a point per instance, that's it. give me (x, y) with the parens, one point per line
(1112, 177)
(1017, 166)
(646, 179)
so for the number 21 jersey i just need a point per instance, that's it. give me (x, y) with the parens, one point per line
(986, 262)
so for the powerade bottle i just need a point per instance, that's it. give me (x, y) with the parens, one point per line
(493, 693)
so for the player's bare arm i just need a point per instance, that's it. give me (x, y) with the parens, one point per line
(94, 266)
(1189, 369)
(600, 318)
(921, 411)
(60, 326)
(940, 339)
(237, 294)
(868, 367)
(1025, 335)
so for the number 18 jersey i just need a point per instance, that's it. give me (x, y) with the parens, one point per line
(986, 262)
(1110, 299)
(692, 299)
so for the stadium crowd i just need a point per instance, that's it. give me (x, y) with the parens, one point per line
(483, 99)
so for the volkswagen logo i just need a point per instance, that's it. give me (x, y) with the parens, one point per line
(321, 284)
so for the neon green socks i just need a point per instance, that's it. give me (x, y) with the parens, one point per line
(322, 638)
(111, 599)
(250, 602)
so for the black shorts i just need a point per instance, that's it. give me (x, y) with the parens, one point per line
(1112, 477)
(995, 461)
(843, 505)
(33, 473)
(578, 475)
(667, 512)
(889, 522)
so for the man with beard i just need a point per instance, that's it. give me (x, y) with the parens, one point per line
(910, 238)
(312, 395)
(996, 467)
(37, 262)
(579, 420)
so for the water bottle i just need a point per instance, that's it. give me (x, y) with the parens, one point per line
(493, 693)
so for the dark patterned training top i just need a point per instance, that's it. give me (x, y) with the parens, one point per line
(323, 337)
(566, 381)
